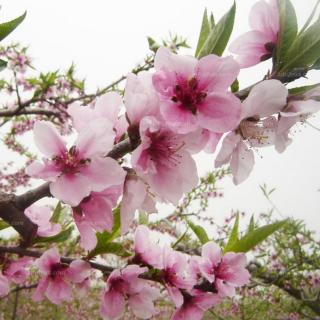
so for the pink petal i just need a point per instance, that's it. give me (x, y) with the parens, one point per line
(48, 259)
(113, 305)
(58, 291)
(108, 106)
(38, 294)
(265, 99)
(229, 144)
(4, 285)
(81, 115)
(78, 271)
(188, 312)
(219, 112)
(175, 295)
(215, 73)
(47, 170)
(225, 289)
(241, 163)
(47, 139)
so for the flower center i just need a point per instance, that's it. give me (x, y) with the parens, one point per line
(58, 270)
(189, 95)
(69, 162)
(164, 149)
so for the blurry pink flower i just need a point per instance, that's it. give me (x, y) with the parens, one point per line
(194, 93)
(146, 251)
(224, 272)
(259, 44)
(17, 270)
(258, 128)
(94, 213)
(163, 161)
(58, 276)
(195, 304)
(140, 97)
(124, 284)
(41, 217)
(76, 172)
(4, 285)
(107, 107)
(176, 274)
(136, 196)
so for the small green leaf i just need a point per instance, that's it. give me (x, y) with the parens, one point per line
(199, 232)
(254, 237)
(4, 225)
(234, 235)
(7, 27)
(288, 30)
(110, 247)
(235, 86)
(56, 213)
(153, 45)
(3, 64)
(303, 89)
(251, 224)
(316, 65)
(204, 32)
(60, 237)
(219, 36)
(143, 218)
(180, 239)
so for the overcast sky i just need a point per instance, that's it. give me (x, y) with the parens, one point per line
(107, 38)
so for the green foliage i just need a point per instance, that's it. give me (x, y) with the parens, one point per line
(7, 27)
(3, 225)
(206, 27)
(56, 213)
(63, 236)
(303, 89)
(199, 232)
(235, 86)
(3, 64)
(233, 235)
(219, 35)
(254, 237)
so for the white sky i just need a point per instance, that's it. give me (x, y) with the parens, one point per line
(107, 38)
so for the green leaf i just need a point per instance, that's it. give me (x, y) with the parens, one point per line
(305, 51)
(109, 247)
(303, 89)
(60, 237)
(7, 27)
(204, 32)
(180, 239)
(199, 232)
(219, 36)
(235, 86)
(143, 218)
(56, 213)
(4, 225)
(251, 224)
(288, 30)
(316, 65)
(3, 64)
(254, 237)
(153, 45)
(234, 235)
(306, 25)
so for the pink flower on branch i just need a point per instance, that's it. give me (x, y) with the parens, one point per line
(225, 272)
(58, 277)
(75, 172)
(194, 93)
(41, 217)
(17, 270)
(123, 285)
(260, 43)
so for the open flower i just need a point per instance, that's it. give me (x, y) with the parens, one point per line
(75, 172)
(17, 270)
(163, 161)
(194, 93)
(258, 128)
(58, 276)
(94, 213)
(41, 217)
(258, 44)
(125, 284)
(225, 272)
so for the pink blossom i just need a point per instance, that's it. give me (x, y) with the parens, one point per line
(125, 284)
(17, 270)
(194, 93)
(258, 128)
(58, 276)
(224, 272)
(4, 285)
(107, 107)
(140, 97)
(146, 251)
(258, 44)
(163, 161)
(195, 303)
(41, 217)
(94, 213)
(76, 172)
(176, 274)
(136, 196)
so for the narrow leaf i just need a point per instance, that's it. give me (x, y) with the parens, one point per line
(199, 232)
(306, 25)
(252, 238)
(110, 247)
(234, 235)
(204, 32)
(251, 224)
(303, 89)
(180, 239)
(4, 225)
(219, 36)
(7, 27)
(56, 213)
(3, 64)
(60, 237)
